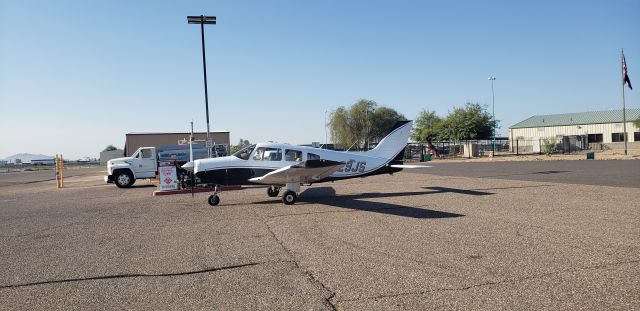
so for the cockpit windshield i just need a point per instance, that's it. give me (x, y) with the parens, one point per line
(245, 152)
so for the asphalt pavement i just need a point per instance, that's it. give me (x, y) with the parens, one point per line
(616, 173)
(430, 239)
(40, 174)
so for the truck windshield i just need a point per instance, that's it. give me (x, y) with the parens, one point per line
(245, 152)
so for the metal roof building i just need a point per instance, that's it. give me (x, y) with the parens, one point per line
(602, 127)
(578, 118)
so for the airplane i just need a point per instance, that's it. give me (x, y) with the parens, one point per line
(287, 167)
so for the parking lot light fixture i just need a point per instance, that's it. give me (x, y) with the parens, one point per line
(202, 20)
(493, 112)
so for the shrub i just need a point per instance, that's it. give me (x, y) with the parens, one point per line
(549, 146)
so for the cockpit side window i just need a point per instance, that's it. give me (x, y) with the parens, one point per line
(312, 156)
(245, 152)
(292, 155)
(268, 154)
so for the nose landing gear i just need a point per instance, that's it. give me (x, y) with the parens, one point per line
(273, 191)
(214, 199)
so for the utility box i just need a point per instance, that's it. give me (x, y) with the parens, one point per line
(470, 150)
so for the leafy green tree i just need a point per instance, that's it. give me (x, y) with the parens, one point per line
(426, 128)
(110, 148)
(362, 123)
(470, 122)
(382, 121)
(241, 144)
(637, 122)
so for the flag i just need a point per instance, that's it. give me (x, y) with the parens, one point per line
(625, 75)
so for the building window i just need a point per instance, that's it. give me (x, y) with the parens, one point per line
(636, 136)
(594, 138)
(617, 137)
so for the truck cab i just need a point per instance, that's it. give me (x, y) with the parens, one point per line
(141, 164)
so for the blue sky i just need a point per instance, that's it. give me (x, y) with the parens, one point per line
(76, 76)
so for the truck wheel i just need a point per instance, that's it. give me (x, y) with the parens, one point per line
(289, 197)
(213, 200)
(124, 179)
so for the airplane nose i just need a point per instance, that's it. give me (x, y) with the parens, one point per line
(188, 166)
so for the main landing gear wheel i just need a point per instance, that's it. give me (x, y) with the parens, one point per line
(273, 191)
(213, 200)
(289, 197)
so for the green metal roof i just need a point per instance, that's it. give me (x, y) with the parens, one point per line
(578, 118)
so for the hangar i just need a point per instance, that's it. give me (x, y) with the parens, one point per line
(137, 140)
(583, 130)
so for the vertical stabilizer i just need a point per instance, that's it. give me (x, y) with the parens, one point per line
(394, 143)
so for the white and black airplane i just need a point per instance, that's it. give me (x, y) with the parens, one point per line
(287, 167)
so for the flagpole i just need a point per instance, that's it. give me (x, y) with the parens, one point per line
(624, 114)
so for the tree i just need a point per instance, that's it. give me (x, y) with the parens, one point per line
(110, 148)
(382, 121)
(426, 129)
(470, 122)
(361, 124)
(637, 122)
(241, 144)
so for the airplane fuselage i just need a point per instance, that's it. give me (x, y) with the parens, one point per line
(264, 158)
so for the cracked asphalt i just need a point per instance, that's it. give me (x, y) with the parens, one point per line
(408, 241)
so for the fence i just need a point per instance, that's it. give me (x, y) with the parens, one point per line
(503, 146)
(565, 144)
(457, 149)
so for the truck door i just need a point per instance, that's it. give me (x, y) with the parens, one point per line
(145, 163)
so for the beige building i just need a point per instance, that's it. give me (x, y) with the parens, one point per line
(604, 128)
(108, 155)
(137, 140)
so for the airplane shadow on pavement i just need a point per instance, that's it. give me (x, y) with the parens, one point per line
(327, 196)
(356, 202)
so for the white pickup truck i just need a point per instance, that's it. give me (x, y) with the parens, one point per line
(145, 161)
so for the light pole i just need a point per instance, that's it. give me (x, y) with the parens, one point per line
(204, 20)
(493, 108)
(325, 129)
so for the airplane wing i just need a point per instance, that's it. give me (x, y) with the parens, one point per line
(304, 172)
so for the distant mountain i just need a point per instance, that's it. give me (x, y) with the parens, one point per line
(26, 157)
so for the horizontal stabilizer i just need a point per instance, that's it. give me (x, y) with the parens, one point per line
(410, 166)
